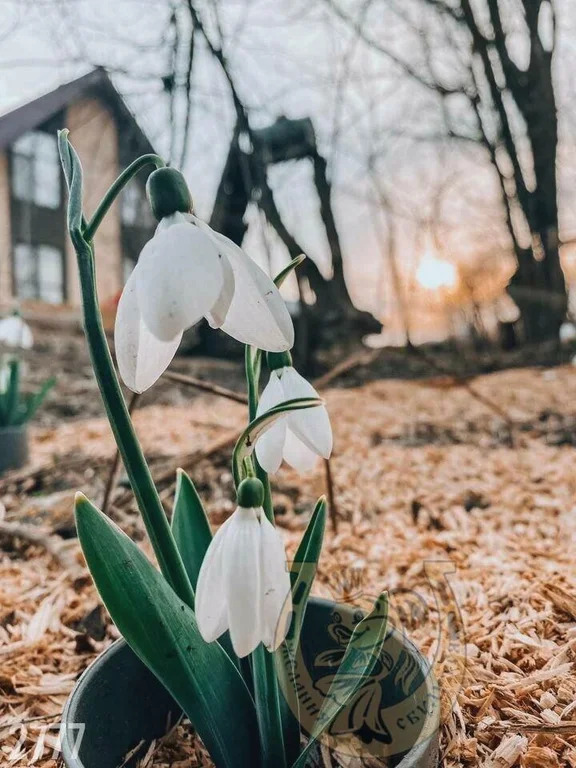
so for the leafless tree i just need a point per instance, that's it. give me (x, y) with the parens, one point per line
(496, 58)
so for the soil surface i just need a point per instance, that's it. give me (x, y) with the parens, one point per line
(472, 474)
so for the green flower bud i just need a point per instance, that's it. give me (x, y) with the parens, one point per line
(250, 493)
(276, 360)
(168, 193)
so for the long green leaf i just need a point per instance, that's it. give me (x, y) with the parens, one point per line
(303, 572)
(360, 659)
(161, 629)
(246, 441)
(33, 402)
(12, 395)
(190, 526)
(4, 396)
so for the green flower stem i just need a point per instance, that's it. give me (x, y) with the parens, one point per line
(116, 188)
(141, 481)
(149, 503)
(266, 689)
(252, 367)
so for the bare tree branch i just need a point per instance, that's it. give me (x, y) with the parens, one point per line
(404, 66)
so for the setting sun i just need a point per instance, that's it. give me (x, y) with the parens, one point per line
(434, 273)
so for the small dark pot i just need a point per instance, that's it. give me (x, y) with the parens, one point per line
(119, 704)
(13, 447)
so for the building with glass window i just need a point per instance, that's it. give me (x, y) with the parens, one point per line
(37, 263)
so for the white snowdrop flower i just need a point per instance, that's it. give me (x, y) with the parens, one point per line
(244, 583)
(567, 332)
(4, 377)
(188, 271)
(300, 437)
(14, 332)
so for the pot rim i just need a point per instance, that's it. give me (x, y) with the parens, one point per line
(14, 429)
(90, 673)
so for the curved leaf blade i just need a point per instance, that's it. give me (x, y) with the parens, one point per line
(288, 269)
(190, 526)
(360, 659)
(303, 572)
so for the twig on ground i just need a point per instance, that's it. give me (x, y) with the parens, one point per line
(465, 384)
(206, 386)
(185, 461)
(54, 546)
(332, 507)
(354, 361)
(28, 720)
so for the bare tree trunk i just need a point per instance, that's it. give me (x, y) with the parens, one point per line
(538, 286)
(498, 90)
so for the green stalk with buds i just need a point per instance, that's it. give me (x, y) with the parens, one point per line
(217, 598)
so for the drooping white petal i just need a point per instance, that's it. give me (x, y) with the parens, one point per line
(179, 279)
(210, 603)
(567, 332)
(242, 581)
(298, 454)
(275, 587)
(311, 425)
(14, 332)
(270, 447)
(258, 314)
(272, 394)
(270, 444)
(142, 358)
(220, 309)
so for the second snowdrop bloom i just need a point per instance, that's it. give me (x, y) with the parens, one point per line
(299, 437)
(567, 332)
(244, 584)
(14, 332)
(4, 377)
(188, 271)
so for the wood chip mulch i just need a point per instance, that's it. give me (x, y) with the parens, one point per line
(439, 502)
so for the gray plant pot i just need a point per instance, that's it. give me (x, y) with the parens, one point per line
(118, 703)
(13, 447)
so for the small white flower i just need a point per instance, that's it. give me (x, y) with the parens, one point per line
(244, 584)
(14, 332)
(300, 437)
(567, 332)
(4, 377)
(184, 273)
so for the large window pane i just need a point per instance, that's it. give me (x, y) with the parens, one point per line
(39, 273)
(25, 144)
(47, 183)
(25, 271)
(23, 178)
(36, 169)
(50, 274)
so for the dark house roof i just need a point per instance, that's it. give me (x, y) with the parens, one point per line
(95, 83)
